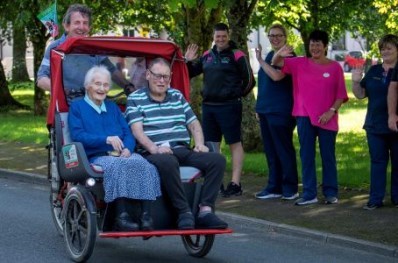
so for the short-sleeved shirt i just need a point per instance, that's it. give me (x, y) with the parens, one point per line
(274, 96)
(375, 83)
(74, 66)
(163, 122)
(394, 76)
(315, 88)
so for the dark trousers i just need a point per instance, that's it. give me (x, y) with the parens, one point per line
(211, 164)
(307, 134)
(277, 135)
(382, 147)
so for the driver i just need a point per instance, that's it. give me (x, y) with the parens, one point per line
(77, 23)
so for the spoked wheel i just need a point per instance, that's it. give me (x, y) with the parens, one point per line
(57, 193)
(80, 224)
(198, 245)
(56, 213)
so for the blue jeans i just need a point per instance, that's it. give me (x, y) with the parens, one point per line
(382, 147)
(277, 135)
(327, 140)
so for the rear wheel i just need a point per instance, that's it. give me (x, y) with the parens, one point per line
(198, 245)
(56, 213)
(56, 192)
(80, 224)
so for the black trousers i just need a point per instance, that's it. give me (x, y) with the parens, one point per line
(211, 164)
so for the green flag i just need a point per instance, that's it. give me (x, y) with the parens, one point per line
(49, 18)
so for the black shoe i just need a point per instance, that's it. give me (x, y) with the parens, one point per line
(232, 189)
(125, 223)
(210, 220)
(222, 189)
(370, 206)
(146, 222)
(186, 221)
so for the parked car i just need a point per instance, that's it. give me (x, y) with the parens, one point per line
(353, 59)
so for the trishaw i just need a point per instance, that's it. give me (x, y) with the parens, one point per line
(77, 206)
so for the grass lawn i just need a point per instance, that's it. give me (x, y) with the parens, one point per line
(351, 148)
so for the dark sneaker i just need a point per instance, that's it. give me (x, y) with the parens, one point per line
(290, 197)
(232, 189)
(264, 194)
(331, 200)
(370, 206)
(186, 221)
(210, 220)
(222, 189)
(302, 201)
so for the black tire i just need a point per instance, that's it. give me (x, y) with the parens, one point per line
(56, 213)
(198, 245)
(55, 186)
(80, 228)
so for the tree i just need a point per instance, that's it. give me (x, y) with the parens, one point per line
(19, 70)
(6, 100)
(332, 16)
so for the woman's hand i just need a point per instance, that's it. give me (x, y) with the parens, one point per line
(191, 53)
(325, 117)
(285, 51)
(125, 153)
(259, 49)
(116, 142)
(356, 74)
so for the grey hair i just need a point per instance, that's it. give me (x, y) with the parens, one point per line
(161, 61)
(100, 70)
(79, 8)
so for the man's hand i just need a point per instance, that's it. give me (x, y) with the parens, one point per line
(191, 53)
(201, 148)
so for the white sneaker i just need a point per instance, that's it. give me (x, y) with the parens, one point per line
(302, 201)
(290, 197)
(265, 195)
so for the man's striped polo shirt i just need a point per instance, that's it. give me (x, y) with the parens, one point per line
(163, 122)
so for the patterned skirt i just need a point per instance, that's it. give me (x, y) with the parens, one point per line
(133, 177)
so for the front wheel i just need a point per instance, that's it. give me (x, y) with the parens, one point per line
(198, 245)
(80, 224)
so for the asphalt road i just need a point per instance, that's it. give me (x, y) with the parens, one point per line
(28, 235)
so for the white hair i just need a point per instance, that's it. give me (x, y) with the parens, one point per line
(102, 70)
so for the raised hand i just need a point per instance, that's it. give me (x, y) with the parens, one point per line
(357, 73)
(259, 49)
(285, 51)
(192, 52)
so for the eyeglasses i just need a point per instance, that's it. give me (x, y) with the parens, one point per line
(276, 36)
(100, 84)
(160, 76)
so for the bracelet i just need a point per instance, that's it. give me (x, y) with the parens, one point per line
(333, 109)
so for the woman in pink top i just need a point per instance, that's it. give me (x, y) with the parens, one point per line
(318, 91)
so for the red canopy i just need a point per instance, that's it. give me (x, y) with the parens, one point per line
(114, 46)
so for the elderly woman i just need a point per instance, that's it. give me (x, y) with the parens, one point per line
(100, 126)
(382, 142)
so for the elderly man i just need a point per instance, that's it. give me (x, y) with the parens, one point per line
(76, 23)
(161, 119)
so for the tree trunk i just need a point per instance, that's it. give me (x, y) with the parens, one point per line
(6, 100)
(19, 70)
(238, 18)
(38, 38)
